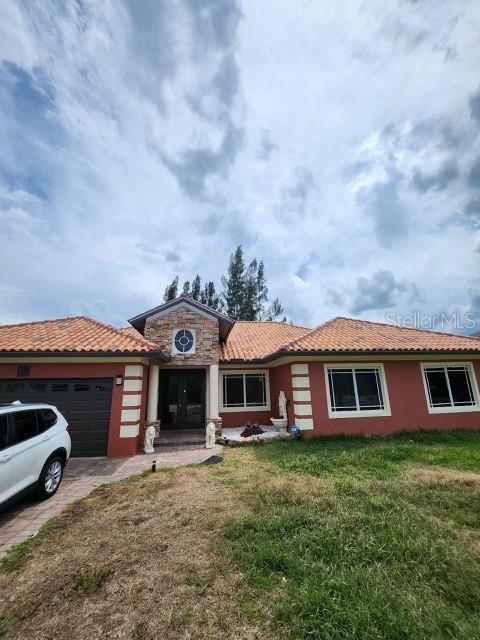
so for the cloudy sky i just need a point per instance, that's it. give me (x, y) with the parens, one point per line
(340, 142)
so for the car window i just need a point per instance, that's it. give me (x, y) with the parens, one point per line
(3, 432)
(46, 419)
(25, 426)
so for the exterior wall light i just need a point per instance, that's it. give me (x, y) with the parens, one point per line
(119, 379)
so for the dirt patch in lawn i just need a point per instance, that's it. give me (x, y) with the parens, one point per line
(134, 560)
(426, 474)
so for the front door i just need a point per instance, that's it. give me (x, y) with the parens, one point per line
(182, 399)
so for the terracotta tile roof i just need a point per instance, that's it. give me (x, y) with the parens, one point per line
(347, 334)
(72, 335)
(251, 340)
(130, 331)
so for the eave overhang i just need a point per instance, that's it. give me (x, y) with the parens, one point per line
(224, 322)
(158, 355)
(353, 353)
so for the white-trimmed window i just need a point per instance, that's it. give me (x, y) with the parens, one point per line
(183, 342)
(244, 390)
(450, 387)
(356, 390)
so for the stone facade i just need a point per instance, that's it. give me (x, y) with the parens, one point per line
(160, 329)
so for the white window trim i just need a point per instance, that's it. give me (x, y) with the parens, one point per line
(192, 351)
(224, 372)
(473, 379)
(357, 413)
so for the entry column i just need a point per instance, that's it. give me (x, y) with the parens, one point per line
(213, 398)
(152, 406)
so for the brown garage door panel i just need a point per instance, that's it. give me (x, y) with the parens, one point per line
(84, 403)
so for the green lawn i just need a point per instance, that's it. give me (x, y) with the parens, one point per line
(335, 539)
(366, 537)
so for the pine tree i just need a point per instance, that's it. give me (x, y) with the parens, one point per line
(245, 291)
(171, 291)
(196, 288)
(261, 292)
(276, 309)
(209, 296)
(249, 303)
(234, 285)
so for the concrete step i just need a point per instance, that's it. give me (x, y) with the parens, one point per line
(180, 437)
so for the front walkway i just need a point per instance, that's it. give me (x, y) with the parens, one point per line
(25, 517)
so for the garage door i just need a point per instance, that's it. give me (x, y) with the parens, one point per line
(85, 403)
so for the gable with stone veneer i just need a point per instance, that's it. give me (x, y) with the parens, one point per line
(161, 328)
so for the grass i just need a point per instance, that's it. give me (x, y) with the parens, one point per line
(337, 539)
(377, 457)
(367, 537)
(91, 580)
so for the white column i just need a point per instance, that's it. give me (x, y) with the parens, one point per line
(213, 391)
(152, 406)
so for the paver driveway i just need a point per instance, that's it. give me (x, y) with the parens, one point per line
(25, 517)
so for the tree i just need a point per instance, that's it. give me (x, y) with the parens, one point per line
(234, 285)
(250, 292)
(261, 291)
(196, 288)
(171, 291)
(245, 291)
(209, 296)
(276, 309)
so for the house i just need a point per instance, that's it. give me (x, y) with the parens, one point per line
(187, 364)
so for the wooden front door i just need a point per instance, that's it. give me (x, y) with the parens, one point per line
(182, 399)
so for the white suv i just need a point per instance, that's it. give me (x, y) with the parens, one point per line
(34, 448)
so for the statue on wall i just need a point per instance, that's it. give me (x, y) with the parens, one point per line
(210, 436)
(282, 405)
(148, 441)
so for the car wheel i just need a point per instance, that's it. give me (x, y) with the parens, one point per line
(50, 478)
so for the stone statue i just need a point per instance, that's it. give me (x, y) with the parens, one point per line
(210, 436)
(148, 441)
(282, 405)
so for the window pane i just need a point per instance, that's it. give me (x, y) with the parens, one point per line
(59, 386)
(172, 399)
(368, 389)
(438, 388)
(81, 386)
(342, 392)
(39, 387)
(3, 432)
(255, 390)
(233, 391)
(46, 419)
(14, 387)
(25, 425)
(194, 388)
(460, 385)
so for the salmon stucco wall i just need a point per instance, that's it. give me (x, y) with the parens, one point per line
(408, 405)
(280, 379)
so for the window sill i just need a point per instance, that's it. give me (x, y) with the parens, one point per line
(243, 409)
(471, 409)
(383, 413)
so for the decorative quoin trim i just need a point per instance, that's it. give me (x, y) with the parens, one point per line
(131, 402)
(302, 398)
